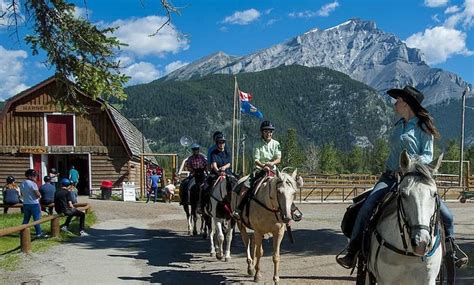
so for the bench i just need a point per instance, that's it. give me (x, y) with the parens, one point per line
(43, 207)
(25, 232)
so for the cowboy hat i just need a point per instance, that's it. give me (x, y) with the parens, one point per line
(410, 95)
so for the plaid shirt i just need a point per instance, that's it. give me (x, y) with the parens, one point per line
(195, 162)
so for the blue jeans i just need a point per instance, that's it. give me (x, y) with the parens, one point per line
(382, 187)
(32, 210)
(153, 190)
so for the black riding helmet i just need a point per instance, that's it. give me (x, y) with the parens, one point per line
(10, 179)
(195, 146)
(220, 137)
(217, 133)
(266, 125)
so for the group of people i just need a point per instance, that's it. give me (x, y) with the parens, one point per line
(154, 180)
(34, 198)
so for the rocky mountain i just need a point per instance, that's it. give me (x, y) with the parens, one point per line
(356, 47)
(323, 105)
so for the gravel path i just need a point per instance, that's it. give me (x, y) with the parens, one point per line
(148, 243)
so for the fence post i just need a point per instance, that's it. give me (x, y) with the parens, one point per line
(25, 240)
(55, 227)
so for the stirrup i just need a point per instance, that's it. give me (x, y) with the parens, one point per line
(460, 262)
(354, 261)
(296, 215)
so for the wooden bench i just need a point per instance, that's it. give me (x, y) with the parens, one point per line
(25, 232)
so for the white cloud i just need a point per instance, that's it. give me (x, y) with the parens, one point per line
(242, 17)
(452, 9)
(136, 33)
(141, 72)
(268, 11)
(435, 3)
(11, 72)
(174, 66)
(324, 11)
(223, 29)
(465, 16)
(439, 43)
(271, 22)
(80, 12)
(435, 18)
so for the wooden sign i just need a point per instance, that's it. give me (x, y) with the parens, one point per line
(35, 108)
(32, 149)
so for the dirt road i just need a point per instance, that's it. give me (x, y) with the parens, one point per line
(148, 243)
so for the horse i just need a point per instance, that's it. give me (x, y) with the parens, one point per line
(222, 222)
(269, 211)
(189, 196)
(405, 246)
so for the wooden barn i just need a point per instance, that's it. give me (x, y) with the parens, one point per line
(35, 133)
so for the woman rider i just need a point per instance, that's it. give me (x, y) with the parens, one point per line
(413, 132)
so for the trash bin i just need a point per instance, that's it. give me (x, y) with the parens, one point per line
(106, 190)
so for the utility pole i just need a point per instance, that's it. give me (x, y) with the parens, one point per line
(461, 155)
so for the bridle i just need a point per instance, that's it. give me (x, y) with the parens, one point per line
(405, 227)
(275, 209)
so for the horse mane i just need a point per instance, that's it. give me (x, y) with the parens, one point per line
(424, 170)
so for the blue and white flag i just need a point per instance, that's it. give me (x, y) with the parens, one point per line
(247, 108)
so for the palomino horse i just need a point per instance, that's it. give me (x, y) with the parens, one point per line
(405, 246)
(269, 212)
(189, 196)
(222, 221)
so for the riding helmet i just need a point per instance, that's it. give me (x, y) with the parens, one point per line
(216, 133)
(31, 173)
(65, 182)
(220, 137)
(266, 125)
(10, 179)
(195, 146)
(47, 179)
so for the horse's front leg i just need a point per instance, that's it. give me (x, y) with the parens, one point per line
(220, 240)
(188, 218)
(211, 237)
(258, 252)
(194, 223)
(277, 237)
(248, 247)
(229, 234)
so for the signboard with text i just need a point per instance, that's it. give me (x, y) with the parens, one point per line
(128, 191)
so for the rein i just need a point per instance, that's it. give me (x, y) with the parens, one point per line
(404, 226)
(273, 209)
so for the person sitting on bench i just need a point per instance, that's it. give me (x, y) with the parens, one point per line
(11, 194)
(63, 205)
(47, 194)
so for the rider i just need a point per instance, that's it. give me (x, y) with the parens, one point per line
(196, 164)
(267, 155)
(221, 160)
(413, 132)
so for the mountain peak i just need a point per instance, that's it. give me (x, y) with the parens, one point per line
(355, 24)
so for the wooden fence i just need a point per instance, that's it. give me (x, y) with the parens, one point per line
(25, 232)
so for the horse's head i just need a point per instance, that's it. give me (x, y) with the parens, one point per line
(418, 201)
(286, 186)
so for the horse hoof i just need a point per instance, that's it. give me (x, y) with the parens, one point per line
(257, 278)
(227, 259)
(219, 256)
(195, 233)
(250, 271)
(276, 280)
(213, 254)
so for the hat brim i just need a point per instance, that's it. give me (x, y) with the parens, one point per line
(395, 93)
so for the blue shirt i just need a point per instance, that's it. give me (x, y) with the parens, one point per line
(47, 192)
(155, 179)
(211, 149)
(74, 175)
(28, 189)
(11, 196)
(409, 136)
(221, 158)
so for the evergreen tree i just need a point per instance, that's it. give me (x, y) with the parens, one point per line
(378, 156)
(292, 155)
(356, 160)
(451, 153)
(312, 154)
(330, 162)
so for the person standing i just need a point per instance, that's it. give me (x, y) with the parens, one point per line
(47, 194)
(31, 206)
(74, 176)
(154, 181)
(54, 175)
(11, 194)
(414, 132)
(63, 205)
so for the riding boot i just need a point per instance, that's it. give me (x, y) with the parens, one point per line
(459, 261)
(237, 213)
(349, 260)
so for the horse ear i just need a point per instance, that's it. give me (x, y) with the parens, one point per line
(404, 161)
(437, 164)
(294, 174)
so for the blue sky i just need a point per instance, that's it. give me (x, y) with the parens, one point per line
(442, 29)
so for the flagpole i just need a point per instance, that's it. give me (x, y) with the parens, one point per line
(233, 122)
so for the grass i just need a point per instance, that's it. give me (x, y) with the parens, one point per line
(10, 251)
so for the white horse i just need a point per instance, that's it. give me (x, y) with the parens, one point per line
(405, 247)
(269, 212)
(222, 221)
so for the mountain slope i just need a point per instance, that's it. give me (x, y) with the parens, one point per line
(322, 104)
(357, 48)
